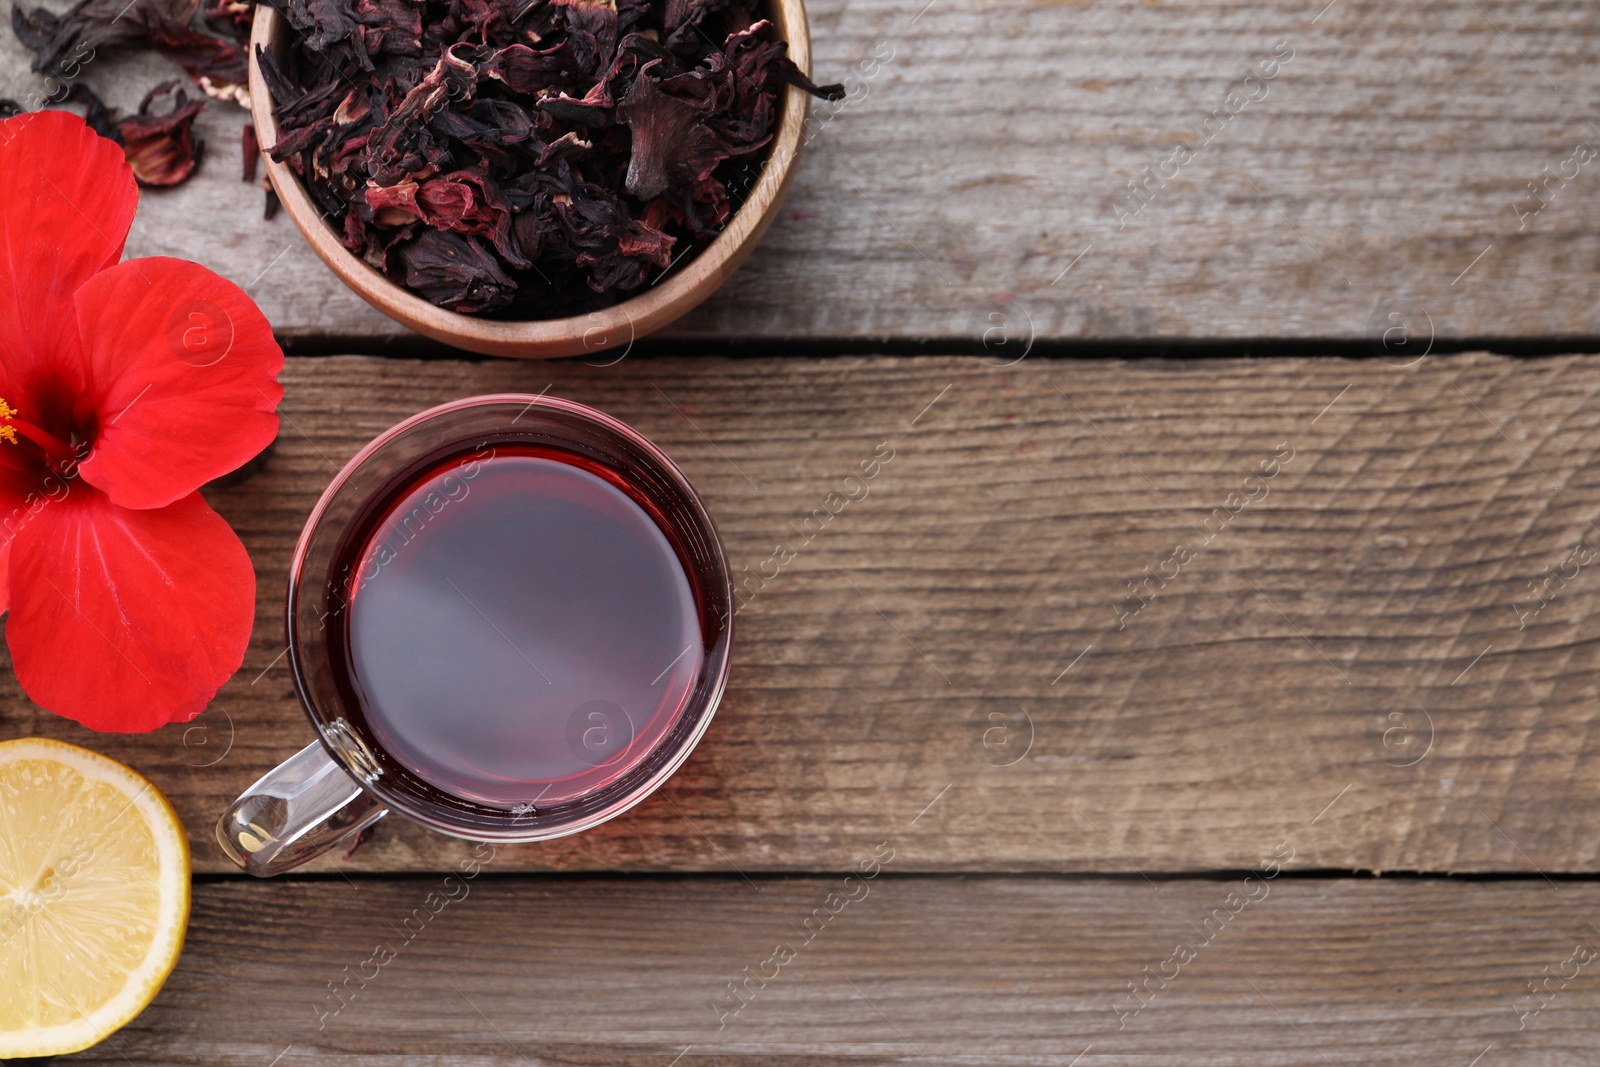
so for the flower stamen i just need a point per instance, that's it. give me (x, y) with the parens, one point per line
(54, 448)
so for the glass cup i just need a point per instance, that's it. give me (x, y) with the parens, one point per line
(345, 781)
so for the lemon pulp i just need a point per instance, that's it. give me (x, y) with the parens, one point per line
(94, 896)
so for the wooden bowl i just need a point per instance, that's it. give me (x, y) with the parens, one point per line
(620, 324)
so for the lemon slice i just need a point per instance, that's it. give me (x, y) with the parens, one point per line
(94, 896)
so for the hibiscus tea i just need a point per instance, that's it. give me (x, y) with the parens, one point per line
(509, 619)
(518, 629)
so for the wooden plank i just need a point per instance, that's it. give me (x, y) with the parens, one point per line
(984, 970)
(992, 143)
(1292, 665)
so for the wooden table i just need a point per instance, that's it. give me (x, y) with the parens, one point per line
(1323, 792)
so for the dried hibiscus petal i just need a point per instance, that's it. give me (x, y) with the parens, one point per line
(455, 272)
(162, 148)
(668, 133)
(61, 44)
(250, 150)
(527, 158)
(233, 17)
(218, 67)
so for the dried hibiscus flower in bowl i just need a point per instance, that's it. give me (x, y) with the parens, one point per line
(531, 177)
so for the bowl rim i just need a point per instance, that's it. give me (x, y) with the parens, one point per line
(621, 323)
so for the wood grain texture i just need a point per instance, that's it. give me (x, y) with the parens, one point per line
(986, 144)
(886, 677)
(944, 971)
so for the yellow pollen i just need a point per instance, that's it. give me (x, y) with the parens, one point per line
(7, 412)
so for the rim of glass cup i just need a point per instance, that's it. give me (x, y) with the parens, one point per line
(399, 803)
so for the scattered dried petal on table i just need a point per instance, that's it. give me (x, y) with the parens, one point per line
(251, 151)
(162, 148)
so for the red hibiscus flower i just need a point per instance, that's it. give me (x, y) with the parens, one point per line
(124, 387)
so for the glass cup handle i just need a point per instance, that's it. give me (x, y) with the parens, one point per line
(299, 809)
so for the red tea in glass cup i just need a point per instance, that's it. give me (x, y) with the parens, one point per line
(508, 619)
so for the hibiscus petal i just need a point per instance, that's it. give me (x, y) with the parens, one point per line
(5, 576)
(128, 619)
(183, 372)
(21, 494)
(67, 198)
